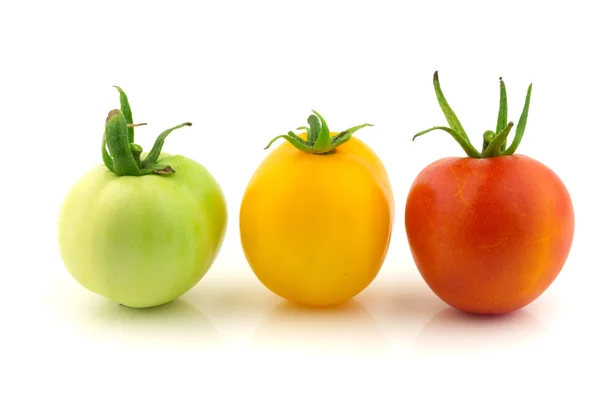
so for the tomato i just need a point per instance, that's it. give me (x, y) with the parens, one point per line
(138, 230)
(490, 232)
(317, 215)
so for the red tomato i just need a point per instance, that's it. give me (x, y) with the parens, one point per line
(489, 233)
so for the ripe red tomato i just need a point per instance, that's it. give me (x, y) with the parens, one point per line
(490, 232)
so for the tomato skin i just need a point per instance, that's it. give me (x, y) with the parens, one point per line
(315, 229)
(142, 241)
(489, 235)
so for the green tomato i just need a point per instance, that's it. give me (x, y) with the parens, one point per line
(141, 237)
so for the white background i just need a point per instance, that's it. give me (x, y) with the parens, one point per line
(244, 72)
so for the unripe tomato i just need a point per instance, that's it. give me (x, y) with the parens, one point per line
(142, 229)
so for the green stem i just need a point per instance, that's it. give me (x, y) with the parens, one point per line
(158, 145)
(451, 117)
(488, 136)
(121, 155)
(323, 140)
(318, 137)
(520, 125)
(126, 109)
(346, 135)
(159, 169)
(134, 125)
(502, 112)
(308, 131)
(495, 146)
(136, 151)
(465, 144)
(315, 129)
(494, 142)
(105, 156)
(117, 142)
(294, 140)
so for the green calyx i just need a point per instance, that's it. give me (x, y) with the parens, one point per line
(494, 142)
(119, 152)
(318, 137)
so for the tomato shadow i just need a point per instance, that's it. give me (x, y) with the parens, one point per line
(454, 332)
(238, 298)
(406, 299)
(413, 300)
(348, 328)
(177, 324)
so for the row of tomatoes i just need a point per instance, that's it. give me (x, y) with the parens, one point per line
(488, 232)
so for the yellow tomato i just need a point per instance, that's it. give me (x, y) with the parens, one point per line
(315, 226)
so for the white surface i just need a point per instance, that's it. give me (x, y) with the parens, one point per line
(244, 72)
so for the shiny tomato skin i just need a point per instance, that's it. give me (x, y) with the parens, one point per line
(489, 235)
(316, 229)
(142, 241)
